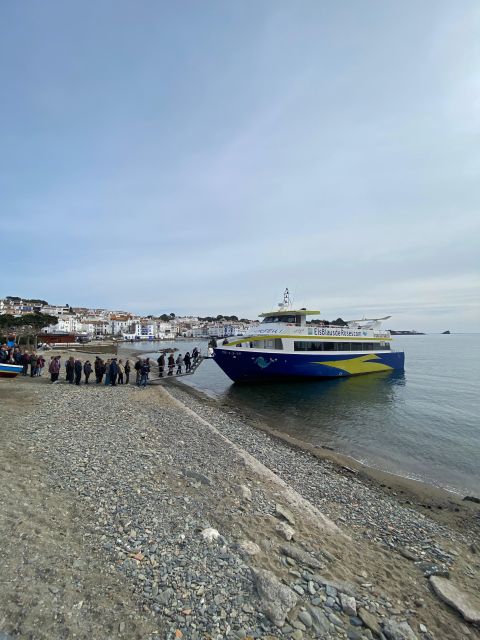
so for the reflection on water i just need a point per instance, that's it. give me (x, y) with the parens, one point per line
(424, 423)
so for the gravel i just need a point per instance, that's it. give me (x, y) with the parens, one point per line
(153, 479)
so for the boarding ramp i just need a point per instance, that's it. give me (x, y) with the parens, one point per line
(155, 378)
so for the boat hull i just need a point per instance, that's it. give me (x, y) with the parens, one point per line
(10, 370)
(256, 366)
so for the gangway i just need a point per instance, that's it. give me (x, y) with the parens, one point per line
(157, 379)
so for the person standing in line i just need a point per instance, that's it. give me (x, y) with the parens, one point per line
(33, 365)
(144, 371)
(113, 372)
(195, 355)
(106, 366)
(25, 362)
(70, 370)
(161, 366)
(188, 362)
(138, 366)
(54, 368)
(77, 366)
(87, 370)
(121, 371)
(98, 365)
(127, 371)
(179, 363)
(171, 364)
(40, 365)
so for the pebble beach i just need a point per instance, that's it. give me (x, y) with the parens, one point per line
(156, 513)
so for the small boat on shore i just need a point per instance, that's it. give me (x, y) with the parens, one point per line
(284, 346)
(10, 370)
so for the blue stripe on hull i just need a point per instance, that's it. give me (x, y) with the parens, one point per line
(253, 365)
(10, 370)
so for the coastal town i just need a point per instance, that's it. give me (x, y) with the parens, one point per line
(81, 324)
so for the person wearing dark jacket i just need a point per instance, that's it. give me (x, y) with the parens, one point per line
(77, 367)
(25, 362)
(144, 371)
(138, 366)
(113, 372)
(99, 369)
(127, 371)
(70, 370)
(188, 362)
(171, 364)
(87, 370)
(161, 365)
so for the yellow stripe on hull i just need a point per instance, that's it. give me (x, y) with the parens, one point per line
(357, 365)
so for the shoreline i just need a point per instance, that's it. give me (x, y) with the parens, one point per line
(437, 503)
(112, 493)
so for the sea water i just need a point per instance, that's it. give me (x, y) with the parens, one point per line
(423, 423)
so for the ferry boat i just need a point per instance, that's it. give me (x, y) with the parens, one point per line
(284, 346)
(10, 370)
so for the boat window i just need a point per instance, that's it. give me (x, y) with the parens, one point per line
(307, 345)
(273, 343)
(287, 319)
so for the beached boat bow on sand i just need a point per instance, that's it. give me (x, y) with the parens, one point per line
(10, 370)
(284, 346)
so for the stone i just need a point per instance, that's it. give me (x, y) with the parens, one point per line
(432, 569)
(369, 620)
(291, 551)
(285, 513)
(311, 588)
(245, 492)
(354, 634)
(343, 587)
(408, 554)
(330, 591)
(297, 634)
(306, 618)
(165, 597)
(285, 530)
(394, 630)
(189, 473)
(319, 620)
(276, 598)
(249, 548)
(121, 627)
(297, 624)
(349, 605)
(209, 534)
(335, 620)
(456, 598)
(300, 590)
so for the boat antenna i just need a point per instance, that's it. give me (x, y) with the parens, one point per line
(286, 297)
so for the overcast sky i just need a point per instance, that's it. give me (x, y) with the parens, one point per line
(199, 157)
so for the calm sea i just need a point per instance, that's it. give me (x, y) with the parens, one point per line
(422, 424)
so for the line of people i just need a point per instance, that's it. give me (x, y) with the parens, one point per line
(171, 362)
(109, 372)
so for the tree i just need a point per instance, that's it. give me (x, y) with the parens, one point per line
(29, 325)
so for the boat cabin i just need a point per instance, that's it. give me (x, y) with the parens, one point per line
(290, 317)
